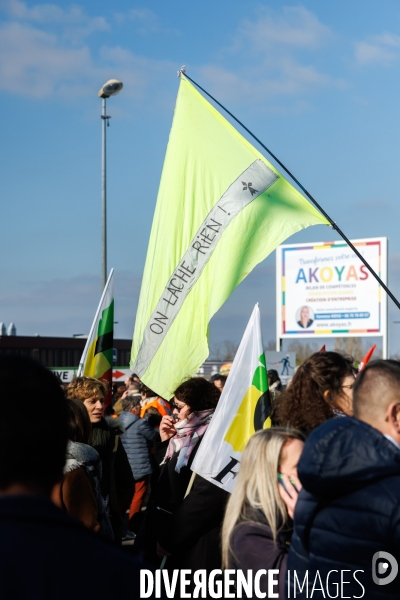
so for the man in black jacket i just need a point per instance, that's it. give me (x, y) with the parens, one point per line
(43, 552)
(346, 541)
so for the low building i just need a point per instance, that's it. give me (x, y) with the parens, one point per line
(58, 352)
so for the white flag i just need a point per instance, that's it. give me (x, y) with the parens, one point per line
(243, 408)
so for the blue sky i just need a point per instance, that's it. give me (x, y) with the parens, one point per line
(318, 82)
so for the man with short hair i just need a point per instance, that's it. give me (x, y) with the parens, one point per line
(349, 509)
(132, 379)
(44, 553)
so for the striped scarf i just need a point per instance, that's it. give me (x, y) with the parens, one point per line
(187, 435)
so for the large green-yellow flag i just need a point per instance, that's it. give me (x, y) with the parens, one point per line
(221, 209)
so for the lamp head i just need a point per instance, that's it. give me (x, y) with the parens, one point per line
(110, 88)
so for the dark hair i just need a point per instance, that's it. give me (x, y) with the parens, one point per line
(222, 378)
(79, 425)
(273, 376)
(134, 386)
(376, 386)
(130, 401)
(33, 434)
(198, 393)
(143, 389)
(303, 405)
(153, 416)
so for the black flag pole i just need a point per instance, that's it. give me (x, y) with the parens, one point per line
(327, 217)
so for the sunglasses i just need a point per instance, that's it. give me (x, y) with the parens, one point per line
(178, 408)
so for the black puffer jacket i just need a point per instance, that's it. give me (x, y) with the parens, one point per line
(137, 440)
(348, 510)
(117, 483)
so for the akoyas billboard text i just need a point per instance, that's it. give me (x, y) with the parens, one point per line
(324, 289)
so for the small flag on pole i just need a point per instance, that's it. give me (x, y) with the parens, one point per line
(97, 357)
(221, 209)
(243, 409)
(366, 358)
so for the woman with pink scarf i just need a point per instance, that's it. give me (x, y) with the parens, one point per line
(186, 529)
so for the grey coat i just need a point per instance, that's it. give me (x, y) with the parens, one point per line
(137, 441)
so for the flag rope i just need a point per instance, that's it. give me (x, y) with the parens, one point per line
(328, 218)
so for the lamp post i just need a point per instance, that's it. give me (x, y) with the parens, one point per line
(110, 88)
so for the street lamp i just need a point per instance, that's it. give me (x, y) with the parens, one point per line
(110, 88)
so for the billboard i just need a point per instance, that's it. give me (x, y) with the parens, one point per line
(283, 362)
(324, 289)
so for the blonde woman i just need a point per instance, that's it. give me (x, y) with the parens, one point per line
(258, 521)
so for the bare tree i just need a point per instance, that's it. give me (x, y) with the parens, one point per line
(270, 346)
(303, 350)
(354, 346)
(225, 350)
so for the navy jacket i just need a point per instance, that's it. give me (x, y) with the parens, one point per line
(137, 440)
(348, 510)
(45, 554)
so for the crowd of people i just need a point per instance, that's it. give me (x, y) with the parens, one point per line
(316, 495)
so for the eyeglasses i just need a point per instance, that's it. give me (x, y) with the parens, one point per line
(178, 408)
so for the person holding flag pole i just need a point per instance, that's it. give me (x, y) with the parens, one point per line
(185, 516)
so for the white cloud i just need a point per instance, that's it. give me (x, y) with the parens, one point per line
(381, 50)
(294, 27)
(266, 54)
(261, 84)
(144, 21)
(75, 22)
(38, 64)
(51, 13)
(268, 61)
(387, 39)
(368, 53)
(32, 62)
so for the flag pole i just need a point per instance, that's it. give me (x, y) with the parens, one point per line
(85, 351)
(182, 71)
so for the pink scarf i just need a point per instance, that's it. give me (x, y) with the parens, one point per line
(187, 435)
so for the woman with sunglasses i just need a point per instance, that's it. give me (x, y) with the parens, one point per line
(186, 513)
(321, 388)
